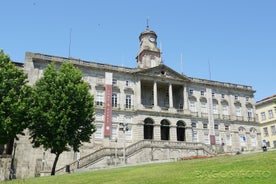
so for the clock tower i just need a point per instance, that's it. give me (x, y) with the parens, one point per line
(148, 55)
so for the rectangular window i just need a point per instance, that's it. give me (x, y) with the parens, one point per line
(202, 93)
(265, 131)
(114, 100)
(193, 125)
(206, 138)
(114, 81)
(250, 113)
(128, 101)
(273, 130)
(238, 111)
(114, 118)
(225, 109)
(218, 140)
(191, 91)
(236, 97)
(227, 127)
(243, 140)
(263, 115)
(204, 107)
(270, 114)
(222, 95)
(99, 117)
(228, 140)
(213, 94)
(215, 108)
(100, 98)
(247, 98)
(216, 126)
(128, 83)
(99, 132)
(205, 125)
(192, 106)
(195, 139)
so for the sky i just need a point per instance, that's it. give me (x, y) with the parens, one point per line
(223, 40)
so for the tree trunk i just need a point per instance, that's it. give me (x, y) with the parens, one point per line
(9, 147)
(55, 164)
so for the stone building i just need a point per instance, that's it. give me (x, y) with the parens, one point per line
(265, 110)
(148, 113)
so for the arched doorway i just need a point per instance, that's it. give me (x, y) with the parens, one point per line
(148, 128)
(165, 130)
(180, 131)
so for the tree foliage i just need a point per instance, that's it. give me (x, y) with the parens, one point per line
(13, 99)
(62, 110)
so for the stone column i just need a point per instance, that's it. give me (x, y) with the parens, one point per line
(189, 134)
(170, 96)
(155, 94)
(156, 132)
(173, 136)
(185, 97)
(138, 92)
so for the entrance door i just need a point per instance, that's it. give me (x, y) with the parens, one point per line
(148, 128)
(165, 130)
(180, 131)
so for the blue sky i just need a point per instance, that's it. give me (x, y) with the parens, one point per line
(236, 37)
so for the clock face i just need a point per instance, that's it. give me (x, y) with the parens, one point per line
(152, 39)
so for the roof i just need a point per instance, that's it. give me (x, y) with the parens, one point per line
(266, 99)
(148, 71)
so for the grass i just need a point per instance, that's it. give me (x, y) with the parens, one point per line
(245, 168)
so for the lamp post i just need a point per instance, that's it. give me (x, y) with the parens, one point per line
(124, 127)
(116, 154)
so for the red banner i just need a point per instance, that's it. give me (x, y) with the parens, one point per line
(108, 111)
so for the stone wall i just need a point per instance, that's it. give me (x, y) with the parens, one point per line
(5, 164)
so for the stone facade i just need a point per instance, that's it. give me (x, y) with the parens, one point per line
(168, 115)
(265, 110)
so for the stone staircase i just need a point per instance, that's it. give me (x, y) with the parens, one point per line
(132, 150)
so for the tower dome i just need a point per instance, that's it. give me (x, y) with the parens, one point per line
(148, 55)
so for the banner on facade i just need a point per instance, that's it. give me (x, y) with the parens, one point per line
(108, 105)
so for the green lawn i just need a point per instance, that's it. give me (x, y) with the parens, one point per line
(245, 168)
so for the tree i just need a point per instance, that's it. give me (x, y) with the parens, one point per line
(62, 111)
(13, 101)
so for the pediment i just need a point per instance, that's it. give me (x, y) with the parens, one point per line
(163, 71)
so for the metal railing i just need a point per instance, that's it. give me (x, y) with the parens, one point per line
(96, 156)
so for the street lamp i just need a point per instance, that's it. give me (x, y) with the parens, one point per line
(124, 127)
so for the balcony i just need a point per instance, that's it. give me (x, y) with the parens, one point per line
(239, 118)
(148, 106)
(128, 107)
(225, 117)
(100, 81)
(204, 114)
(216, 116)
(116, 106)
(194, 114)
(99, 104)
(164, 108)
(252, 119)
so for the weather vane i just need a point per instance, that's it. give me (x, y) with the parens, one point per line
(148, 23)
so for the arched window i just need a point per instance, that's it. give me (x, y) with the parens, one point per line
(180, 131)
(165, 130)
(148, 128)
(192, 104)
